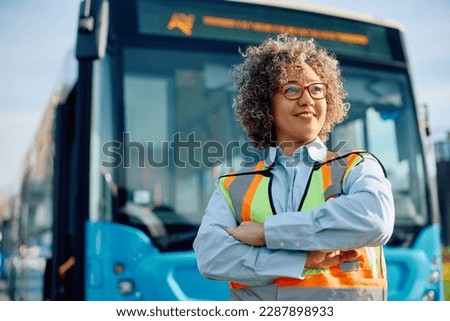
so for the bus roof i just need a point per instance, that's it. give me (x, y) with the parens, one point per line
(292, 4)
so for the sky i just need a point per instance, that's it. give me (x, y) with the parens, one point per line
(37, 35)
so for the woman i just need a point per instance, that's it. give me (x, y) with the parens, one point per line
(305, 223)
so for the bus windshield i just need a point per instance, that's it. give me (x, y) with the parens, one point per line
(178, 110)
(382, 120)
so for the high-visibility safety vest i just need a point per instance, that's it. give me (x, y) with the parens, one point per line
(248, 193)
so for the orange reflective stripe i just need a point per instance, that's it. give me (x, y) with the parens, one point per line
(259, 166)
(335, 279)
(326, 176)
(351, 159)
(362, 278)
(247, 201)
(228, 180)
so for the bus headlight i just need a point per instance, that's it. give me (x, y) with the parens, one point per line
(429, 296)
(126, 287)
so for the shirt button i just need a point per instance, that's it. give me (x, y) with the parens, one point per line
(281, 244)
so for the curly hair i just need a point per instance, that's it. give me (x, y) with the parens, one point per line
(264, 70)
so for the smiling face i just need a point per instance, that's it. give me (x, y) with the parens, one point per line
(298, 121)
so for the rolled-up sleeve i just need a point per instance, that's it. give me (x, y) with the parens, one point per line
(362, 216)
(220, 256)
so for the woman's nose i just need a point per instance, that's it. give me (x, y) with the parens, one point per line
(305, 99)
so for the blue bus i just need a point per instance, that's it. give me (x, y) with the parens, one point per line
(130, 145)
(442, 149)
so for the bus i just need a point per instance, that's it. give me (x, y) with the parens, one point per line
(6, 207)
(442, 149)
(142, 124)
(8, 236)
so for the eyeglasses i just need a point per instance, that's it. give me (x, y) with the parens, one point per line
(295, 91)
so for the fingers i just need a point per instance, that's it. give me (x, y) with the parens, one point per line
(318, 259)
(234, 232)
(250, 233)
(230, 230)
(349, 255)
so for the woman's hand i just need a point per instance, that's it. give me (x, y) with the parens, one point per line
(319, 259)
(250, 233)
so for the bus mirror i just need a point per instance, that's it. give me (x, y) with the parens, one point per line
(92, 33)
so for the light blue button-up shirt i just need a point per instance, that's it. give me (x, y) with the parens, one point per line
(362, 216)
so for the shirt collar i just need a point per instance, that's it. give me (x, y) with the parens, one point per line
(314, 151)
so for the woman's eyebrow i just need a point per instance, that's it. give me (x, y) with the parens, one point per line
(313, 80)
